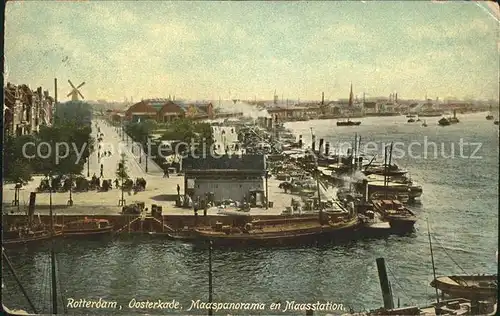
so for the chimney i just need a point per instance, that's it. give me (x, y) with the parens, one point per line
(321, 142)
(351, 96)
(327, 149)
(396, 97)
(300, 141)
(313, 143)
(322, 98)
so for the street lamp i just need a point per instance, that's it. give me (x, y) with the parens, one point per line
(121, 167)
(70, 201)
(146, 153)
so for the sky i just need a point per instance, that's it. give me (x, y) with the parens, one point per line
(210, 50)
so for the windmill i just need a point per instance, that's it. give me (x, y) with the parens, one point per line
(75, 92)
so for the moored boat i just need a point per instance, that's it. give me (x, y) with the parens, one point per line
(399, 217)
(474, 287)
(282, 231)
(348, 123)
(25, 236)
(87, 227)
(444, 122)
(384, 169)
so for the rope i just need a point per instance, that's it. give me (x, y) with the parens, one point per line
(61, 289)
(46, 286)
(446, 252)
(399, 285)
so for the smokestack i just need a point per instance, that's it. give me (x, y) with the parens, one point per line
(55, 91)
(300, 141)
(327, 149)
(322, 98)
(396, 97)
(351, 96)
(313, 143)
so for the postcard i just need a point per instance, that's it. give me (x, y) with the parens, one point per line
(250, 158)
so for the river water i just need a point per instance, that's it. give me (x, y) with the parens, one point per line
(460, 201)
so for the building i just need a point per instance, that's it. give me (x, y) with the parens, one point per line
(26, 110)
(227, 177)
(170, 111)
(370, 107)
(166, 110)
(144, 110)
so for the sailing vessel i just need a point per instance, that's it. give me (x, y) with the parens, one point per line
(454, 119)
(348, 122)
(489, 117)
(444, 121)
(398, 216)
(27, 232)
(474, 287)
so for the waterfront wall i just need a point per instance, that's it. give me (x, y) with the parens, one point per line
(121, 221)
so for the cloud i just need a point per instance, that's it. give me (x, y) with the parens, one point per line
(200, 50)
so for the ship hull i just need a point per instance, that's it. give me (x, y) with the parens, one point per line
(88, 232)
(39, 237)
(309, 236)
(468, 287)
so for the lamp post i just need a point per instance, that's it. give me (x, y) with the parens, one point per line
(146, 153)
(70, 201)
(121, 167)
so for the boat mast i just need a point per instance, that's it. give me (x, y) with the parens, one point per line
(385, 172)
(52, 252)
(11, 268)
(432, 259)
(210, 287)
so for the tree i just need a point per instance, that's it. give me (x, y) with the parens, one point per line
(121, 171)
(17, 166)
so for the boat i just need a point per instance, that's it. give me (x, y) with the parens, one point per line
(87, 227)
(424, 124)
(388, 170)
(474, 287)
(456, 307)
(281, 231)
(400, 188)
(495, 122)
(25, 236)
(444, 122)
(454, 119)
(489, 117)
(348, 123)
(27, 232)
(430, 113)
(399, 217)
(411, 121)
